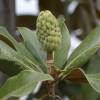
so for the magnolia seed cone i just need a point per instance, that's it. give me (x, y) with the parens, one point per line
(48, 31)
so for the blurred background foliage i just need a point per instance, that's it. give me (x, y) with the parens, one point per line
(81, 16)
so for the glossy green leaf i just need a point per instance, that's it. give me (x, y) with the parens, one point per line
(9, 54)
(24, 51)
(87, 48)
(22, 84)
(93, 67)
(94, 64)
(10, 68)
(60, 56)
(93, 79)
(88, 93)
(6, 37)
(33, 45)
(21, 50)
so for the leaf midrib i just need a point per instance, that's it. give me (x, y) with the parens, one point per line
(17, 89)
(22, 87)
(80, 55)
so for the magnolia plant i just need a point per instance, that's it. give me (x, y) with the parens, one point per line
(42, 55)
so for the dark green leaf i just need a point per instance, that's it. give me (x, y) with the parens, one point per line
(94, 65)
(22, 84)
(93, 79)
(60, 55)
(23, 51)
(33, 45)
(6, 37)
(10, 68)
(86, 49)
(9, 54)
(88, 93)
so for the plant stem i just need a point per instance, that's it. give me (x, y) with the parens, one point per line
(51, 90)
(51, 84)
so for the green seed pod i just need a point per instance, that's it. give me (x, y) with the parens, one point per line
(48, 31)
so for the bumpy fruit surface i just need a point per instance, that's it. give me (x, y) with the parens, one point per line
(48, 31)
